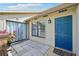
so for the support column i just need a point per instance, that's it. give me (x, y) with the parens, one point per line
(77, 29)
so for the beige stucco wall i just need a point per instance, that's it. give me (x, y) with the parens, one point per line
(2, 25)
(50, 28)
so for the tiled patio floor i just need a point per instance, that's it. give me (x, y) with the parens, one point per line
(32, 48)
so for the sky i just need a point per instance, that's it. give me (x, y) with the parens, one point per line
(26, 7)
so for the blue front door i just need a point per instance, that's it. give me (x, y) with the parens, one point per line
(63, 32)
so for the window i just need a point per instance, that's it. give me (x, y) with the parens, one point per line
(38, 29)
(34, 29)
(41, 29)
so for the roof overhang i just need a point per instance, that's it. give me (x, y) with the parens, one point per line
(51, 10)
(12, 12)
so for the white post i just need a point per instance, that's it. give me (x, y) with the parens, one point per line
(78, 29)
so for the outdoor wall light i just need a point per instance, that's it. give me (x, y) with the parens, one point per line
(49, 21)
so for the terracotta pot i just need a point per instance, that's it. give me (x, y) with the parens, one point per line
(3, 42)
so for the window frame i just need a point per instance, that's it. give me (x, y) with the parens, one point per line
(32, 30)
(37, 23)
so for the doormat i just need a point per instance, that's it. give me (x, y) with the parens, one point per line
(63, 53)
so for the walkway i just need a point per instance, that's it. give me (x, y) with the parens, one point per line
(31, 48)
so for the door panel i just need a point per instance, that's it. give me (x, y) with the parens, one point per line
(20, 31)
(63, 32)
(24, 31)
